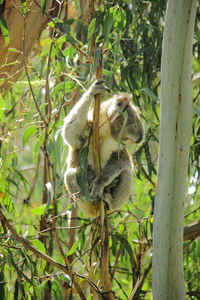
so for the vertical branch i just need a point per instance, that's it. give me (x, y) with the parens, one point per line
(105, 276)
(96, 125)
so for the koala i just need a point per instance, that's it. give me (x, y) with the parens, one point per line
(120, 125)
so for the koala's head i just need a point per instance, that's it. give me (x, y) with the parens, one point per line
(124, 118)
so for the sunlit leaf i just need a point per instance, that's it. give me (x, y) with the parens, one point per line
(24, 7)
(28, 133)
(73, 248)
(91, 28)
(2, 107)
(57, 290)
(14, 50)
(6, 200)
(40, 210)
(39, 245)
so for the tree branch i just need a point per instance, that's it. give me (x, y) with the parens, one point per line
(192, 231)
(42, 255)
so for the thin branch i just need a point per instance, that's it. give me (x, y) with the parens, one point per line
(28, 246)
(40, 254)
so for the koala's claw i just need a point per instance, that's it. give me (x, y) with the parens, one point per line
(99, 87)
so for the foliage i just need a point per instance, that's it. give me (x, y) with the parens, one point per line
(128, 35)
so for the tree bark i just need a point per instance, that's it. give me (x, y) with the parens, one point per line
(175, 135)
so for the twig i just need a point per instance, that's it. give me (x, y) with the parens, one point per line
(40, 254)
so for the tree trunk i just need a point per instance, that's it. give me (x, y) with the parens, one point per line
(175, 135)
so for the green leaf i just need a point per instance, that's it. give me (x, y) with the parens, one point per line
(28, 133)
(108, 22)
(21, 178)
(5, 31)
(2, 107)
(24, 7)
(43, 6)
(91, 28)
(6, 200)
(149, 93)
(41, 263)
(40, 210)
(64, 87)
(57, 290)
(37, 147)
(39, 245)
(73, 248)
(36, 83)
(70, 38)
(124, 242)
(14, 50)
(42, 288)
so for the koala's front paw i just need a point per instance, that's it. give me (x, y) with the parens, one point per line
(98, 87)
(96, 192)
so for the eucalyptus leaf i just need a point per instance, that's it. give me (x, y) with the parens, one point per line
(28, 133)
(57, 290)
(6, 200)
(40, 210)
(24, 7)
(91, 28)
(149, 93)
(43, 6)
(73, 248)
(126, 245)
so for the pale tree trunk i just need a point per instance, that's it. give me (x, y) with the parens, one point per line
(175, 135)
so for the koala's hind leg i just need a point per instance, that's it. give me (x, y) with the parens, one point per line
(71, 181)
(118, 194)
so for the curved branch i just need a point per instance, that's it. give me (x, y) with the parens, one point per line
(192, 231)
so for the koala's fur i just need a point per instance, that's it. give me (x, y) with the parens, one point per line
(113, 184)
